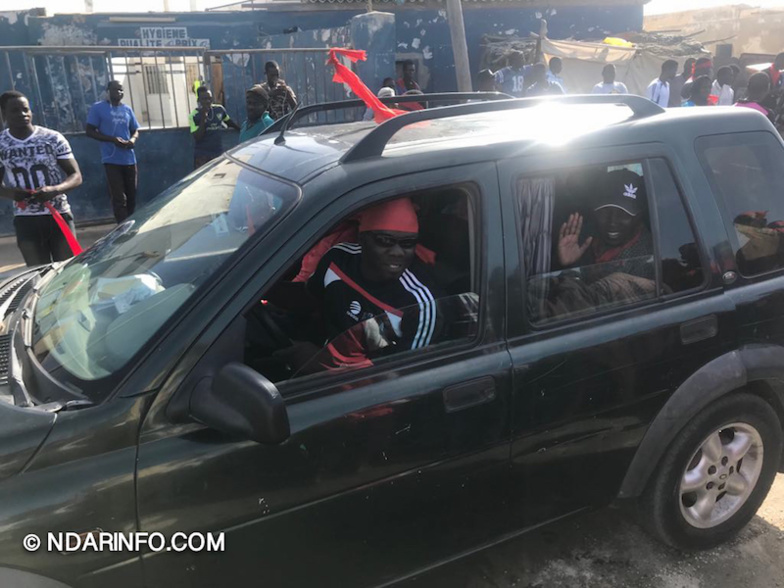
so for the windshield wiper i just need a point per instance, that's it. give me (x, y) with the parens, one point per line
(59, 406)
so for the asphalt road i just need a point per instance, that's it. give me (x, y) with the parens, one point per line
(605, 549)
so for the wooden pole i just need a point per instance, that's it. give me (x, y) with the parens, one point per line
(454, 10)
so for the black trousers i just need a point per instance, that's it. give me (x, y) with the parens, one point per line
(122, 188)
(40, 239)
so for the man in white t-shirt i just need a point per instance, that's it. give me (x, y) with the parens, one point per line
(722, 87)
(36, 166)
(609, 85)
(659, 89)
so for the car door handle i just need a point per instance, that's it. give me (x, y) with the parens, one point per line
(468, 394)
(699, 329)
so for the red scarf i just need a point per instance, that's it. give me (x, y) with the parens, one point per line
(613, 253)
(344, 75)
(775, 76)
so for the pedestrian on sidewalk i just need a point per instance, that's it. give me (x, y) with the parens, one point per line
(207, 123)
(677, 83)
(554, 73)
(722, 87)
(37, 166)
(282, 98)
(608, 84)
(659, 89)
(114, 124)
(700, 92)
(256, 104)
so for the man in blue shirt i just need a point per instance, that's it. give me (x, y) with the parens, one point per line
(207, 123)
(113, 124)
(256, 104)
(511, 79)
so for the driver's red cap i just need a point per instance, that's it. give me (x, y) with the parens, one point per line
(395, 215)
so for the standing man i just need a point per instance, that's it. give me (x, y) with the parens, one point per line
(702, 67)
(485, 81)
(207, 122)
(722, 87)
(540, 85)
(113, 124)
(36, 166)
(609, 85)
(554, 73)
(676, 85)
(774, 72)
(511, 79)
(407, 81)
(659, 89)
(282, 99)
(756, 93)
(256, 104)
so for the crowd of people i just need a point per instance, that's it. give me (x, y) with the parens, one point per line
(695, 85)
(38, 168)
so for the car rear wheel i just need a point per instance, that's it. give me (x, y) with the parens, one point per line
(715, 474)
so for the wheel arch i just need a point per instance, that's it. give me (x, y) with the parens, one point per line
(755, 368)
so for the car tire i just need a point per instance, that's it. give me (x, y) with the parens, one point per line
(715, 474)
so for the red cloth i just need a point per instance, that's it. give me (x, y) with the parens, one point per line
(613, 253)
(69, 236)
(344, 75)
(345, 233)
(775, 76)
(394, 215)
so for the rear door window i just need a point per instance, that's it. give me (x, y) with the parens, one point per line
(744, 170)
(597, 238)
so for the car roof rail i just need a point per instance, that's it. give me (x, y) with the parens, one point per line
(286, 122)
(374, 143)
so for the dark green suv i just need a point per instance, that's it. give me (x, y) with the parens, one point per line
(359, 351)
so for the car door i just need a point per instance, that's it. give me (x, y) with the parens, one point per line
(386, 470)
(588, 384)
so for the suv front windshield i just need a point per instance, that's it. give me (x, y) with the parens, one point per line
(104, 306)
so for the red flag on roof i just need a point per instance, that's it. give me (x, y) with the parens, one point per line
(344, 75)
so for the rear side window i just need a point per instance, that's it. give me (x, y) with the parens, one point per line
(745, 169)
(589, 244)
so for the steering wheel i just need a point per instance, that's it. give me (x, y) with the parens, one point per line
(278, 335)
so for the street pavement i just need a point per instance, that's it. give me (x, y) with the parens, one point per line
(606, 549)
(11, 259)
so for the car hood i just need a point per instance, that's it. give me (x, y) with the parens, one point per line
(22, 429)
(22, 432)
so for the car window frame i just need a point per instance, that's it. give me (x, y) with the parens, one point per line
(611, 311)
(301, 388)
(721, 203)
(690, 218)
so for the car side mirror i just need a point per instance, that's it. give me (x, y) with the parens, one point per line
(244, 404)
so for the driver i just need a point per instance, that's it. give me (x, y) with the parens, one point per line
(376, 277)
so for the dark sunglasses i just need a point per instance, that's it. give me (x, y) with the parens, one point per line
(388, 242)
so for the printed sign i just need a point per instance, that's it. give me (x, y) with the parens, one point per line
(163, 37)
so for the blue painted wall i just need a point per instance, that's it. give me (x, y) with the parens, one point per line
(225, 30)
(164, 157)
(419, 33)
